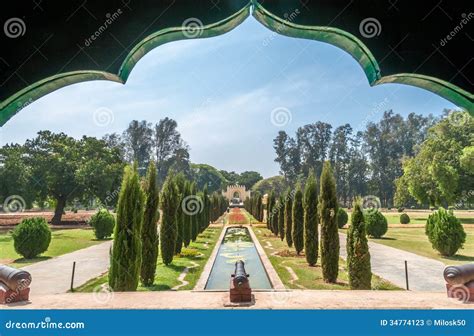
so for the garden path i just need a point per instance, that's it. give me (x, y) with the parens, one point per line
(53, 276)
(424, 274)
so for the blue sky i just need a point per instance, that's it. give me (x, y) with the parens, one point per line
(227, 94)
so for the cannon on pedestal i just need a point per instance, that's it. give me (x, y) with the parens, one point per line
(460, 282)
(240, 290)
(14, 284)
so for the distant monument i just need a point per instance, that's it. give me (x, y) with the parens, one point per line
(236, 194)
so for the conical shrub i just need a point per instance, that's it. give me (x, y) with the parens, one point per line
(126, 252)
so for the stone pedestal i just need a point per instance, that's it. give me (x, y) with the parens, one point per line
(9, 296)
(240, 294)
(463, 293)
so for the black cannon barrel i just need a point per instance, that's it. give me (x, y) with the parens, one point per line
(459, 275)
(13, 278)
(240, 276)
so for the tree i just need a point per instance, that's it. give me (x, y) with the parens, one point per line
(126, 256)
(313, 142)
(339, 155)
(187, 229)
(358, 256)
(311, 238)
(270, 205)
(375, 223)
(149, 231)
(288, 218)
(277, 184)
(195, 197)
(436, 175)
(297, 218)
(206, 175)
(138, 140)
(179, 181)
(328, 209)
(15, 177)
(168, 228)
(445, 232)
(64, 169)
(281, 218)
(170, 149)
(276, 216)
(249, 178)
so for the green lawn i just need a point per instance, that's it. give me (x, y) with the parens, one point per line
(309, 277)
(62, 242)
(420, 217)
(167, 276)
(414, 240)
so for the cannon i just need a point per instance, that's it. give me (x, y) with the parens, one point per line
(460, 282)
(14, 284)
(240, 290)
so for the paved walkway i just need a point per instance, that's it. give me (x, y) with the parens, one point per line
(424, 274)
(294, 299)
(53, 276)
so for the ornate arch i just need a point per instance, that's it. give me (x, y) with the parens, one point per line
(337, 37)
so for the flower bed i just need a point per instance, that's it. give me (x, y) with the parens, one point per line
(237, 217)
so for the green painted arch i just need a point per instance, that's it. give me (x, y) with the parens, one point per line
(364, 57)
(334, 36)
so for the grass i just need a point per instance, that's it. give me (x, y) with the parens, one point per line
(420, 217)
(414, 240)
(308, 277)
(62, 242)
(167, 276)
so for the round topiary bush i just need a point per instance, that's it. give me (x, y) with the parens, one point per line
(31, 237)
(404, 219)
(103, 223)
(445, 232)
(342, 218)
(401, 209)
(376, 224)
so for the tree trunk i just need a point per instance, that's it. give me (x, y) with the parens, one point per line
(58, 211)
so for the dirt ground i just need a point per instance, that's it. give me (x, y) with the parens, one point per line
(68, 219)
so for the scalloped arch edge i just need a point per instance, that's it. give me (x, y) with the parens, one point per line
(339, 38)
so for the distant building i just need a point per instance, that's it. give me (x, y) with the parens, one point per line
(236, 194)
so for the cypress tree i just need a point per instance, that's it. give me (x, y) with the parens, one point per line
(168, 228)
(126, 252)
(149, 231)
(205, 210)
(328, 208)
(187, 228)
(288, 218)
(358, 256)
(194, 214)
(179, 181)
(297, 218)
(281, 218)
(270, 203)
(275, 219)
(311, 220)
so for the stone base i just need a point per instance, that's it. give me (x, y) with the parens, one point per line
(240, 294)
(9, 296)
(463, 293)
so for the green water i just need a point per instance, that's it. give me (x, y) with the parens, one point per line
(237, 245)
